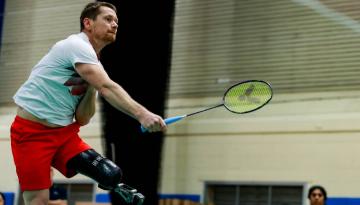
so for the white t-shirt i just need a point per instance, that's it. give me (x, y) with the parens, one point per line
(44, 94)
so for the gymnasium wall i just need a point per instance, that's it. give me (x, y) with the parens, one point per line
(309, 141)
(308, 134)
(2, 5)
(30, 28)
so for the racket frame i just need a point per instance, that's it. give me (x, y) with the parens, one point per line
(243, 82)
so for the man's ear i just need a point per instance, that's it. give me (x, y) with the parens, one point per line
(87, 23)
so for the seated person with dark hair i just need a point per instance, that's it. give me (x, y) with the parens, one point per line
(2, 198)
(317, 195)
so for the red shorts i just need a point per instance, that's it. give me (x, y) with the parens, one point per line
(36, 147)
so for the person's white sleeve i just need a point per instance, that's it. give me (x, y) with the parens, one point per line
(78, 51)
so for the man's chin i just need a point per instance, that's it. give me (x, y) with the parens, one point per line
(110, 39)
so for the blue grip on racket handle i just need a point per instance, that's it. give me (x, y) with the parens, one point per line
(174, 119)
(167, 121)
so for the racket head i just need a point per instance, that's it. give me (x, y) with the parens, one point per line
(247, 96)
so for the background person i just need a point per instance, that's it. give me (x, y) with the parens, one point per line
(2, 198)
(317, 195)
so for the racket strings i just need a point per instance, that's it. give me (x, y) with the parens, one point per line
(248, 96)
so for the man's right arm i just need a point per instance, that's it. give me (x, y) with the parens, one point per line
(118, 97)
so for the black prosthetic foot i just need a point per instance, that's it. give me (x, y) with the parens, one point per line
(129, 195)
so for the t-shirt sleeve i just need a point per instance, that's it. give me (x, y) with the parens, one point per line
(79, 51)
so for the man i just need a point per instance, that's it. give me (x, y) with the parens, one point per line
(317, 195)
(58, 98)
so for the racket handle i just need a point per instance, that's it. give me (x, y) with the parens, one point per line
(167, 121)
(171, 120)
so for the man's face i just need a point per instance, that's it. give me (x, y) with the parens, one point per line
(104, 27)
(317, 197)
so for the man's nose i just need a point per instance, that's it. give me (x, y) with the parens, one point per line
(114, 25)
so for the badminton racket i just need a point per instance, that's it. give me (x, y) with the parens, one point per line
(243, 97)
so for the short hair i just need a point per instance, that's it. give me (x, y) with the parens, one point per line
(92, 10)
(3, 197)
(322, 189)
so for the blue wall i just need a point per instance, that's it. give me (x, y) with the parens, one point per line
(343, 201)
(102, 198)
(9, 198)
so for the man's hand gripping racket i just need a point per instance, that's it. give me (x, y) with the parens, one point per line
(240, 98)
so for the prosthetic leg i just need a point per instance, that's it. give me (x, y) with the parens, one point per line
(106, 173)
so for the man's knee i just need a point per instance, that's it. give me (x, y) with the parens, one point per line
(93, 165)
(111, 174)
